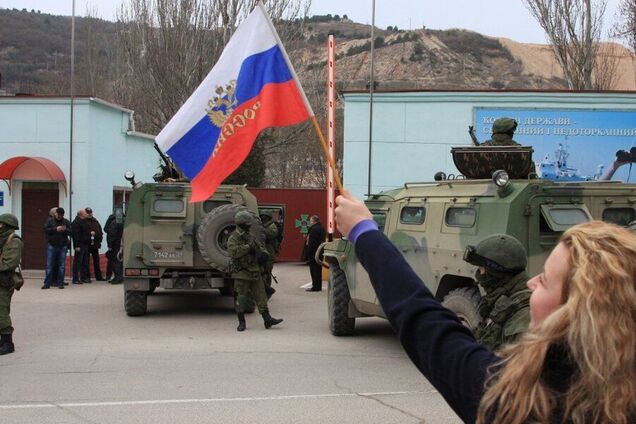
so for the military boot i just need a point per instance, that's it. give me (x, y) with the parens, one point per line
(241, 318)
(269, 321)
(6, 344)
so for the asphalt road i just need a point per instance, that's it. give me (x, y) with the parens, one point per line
(80, 359)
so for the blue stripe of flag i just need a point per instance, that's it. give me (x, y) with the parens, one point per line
(193, 150)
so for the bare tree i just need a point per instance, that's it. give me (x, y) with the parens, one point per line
(97, 63)
(626, 27)
(169, 46)
(574, 29)
(608, 57)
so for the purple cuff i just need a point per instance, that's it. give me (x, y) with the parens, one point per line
(361, 228)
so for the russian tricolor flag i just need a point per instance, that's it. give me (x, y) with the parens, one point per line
(252, 87)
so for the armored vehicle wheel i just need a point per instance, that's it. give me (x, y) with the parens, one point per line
(338, 299)
(135, 303)
(464, 303)
(214, 231)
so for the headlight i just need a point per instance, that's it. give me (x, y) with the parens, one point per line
(500, 178)
(129, 175)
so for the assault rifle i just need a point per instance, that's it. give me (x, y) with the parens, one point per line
(169, 170)
(471, 132)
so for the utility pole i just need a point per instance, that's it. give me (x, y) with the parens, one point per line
(70, 164)
(371, 87)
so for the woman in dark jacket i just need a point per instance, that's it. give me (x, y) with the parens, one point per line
(577, 361)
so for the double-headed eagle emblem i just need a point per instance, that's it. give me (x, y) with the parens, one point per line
(221, 107)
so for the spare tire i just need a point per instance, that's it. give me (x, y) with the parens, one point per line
(215, 229)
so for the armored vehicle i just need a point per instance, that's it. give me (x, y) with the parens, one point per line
(431, 223)
(171, 243)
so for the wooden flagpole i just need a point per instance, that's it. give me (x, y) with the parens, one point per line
(331, 132)
(325, 150)
(302, 92)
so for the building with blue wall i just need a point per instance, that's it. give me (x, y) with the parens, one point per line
(37, 164)
(413, 132)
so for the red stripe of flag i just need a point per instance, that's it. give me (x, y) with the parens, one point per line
(280, 105)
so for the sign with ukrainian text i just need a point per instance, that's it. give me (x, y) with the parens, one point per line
(571, 144)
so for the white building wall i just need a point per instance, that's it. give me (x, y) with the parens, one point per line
(103, 149)
(413, 132)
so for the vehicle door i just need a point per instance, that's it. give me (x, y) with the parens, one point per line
(168, 234)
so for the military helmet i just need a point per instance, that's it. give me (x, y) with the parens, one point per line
(266, 216)
(499, 252)
(10, 220)
(504, 126)
(243, 217)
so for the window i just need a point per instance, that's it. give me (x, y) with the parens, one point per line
(208, 205)
(412, 215)
(568, 216)
(461, 217)
(619, 216)
(561, 217)
(168, 205)
(380, 218)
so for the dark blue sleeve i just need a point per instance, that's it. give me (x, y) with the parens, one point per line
(438, 344)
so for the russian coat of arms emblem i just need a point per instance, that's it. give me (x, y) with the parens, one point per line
(222, 105)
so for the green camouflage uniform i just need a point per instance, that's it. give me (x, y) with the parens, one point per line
(500, 140)
(244, 250)
(11, 253)
(505, 309)
(272, 246)
(502, 131)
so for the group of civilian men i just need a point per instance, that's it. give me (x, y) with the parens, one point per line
(86, 235)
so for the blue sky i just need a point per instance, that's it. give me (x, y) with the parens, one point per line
(499, 18)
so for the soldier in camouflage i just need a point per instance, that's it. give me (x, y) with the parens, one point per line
(248, 255)
(505, 308)
(502, 131)
(272, 244)
(10, 255)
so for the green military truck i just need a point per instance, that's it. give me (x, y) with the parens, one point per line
(171, 243)
(432, 222)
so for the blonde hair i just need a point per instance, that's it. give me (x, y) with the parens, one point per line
(596, 324)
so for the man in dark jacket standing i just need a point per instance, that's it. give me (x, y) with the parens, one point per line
(114, 230)
(315, 237)
(57, 230)
(95, 243)
(81, 234)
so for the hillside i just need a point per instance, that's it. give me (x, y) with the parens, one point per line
(35, 57)
(450, 59)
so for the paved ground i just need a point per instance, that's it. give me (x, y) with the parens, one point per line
(80, 359)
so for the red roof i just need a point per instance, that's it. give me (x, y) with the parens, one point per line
(8, 167)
